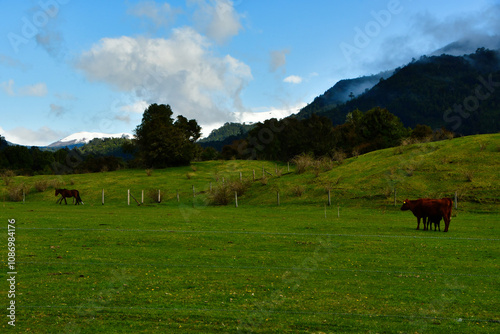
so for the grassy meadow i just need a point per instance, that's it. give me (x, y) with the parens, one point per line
(357, 266)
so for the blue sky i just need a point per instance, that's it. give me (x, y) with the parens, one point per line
(69, 65)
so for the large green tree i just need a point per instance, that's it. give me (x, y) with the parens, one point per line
(163, 142)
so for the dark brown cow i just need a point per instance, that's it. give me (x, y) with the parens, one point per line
(436, 220)
(425, 207)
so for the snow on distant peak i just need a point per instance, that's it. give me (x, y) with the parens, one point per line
(81, 138)
(85, 137)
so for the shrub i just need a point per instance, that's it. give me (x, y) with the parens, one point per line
(239, 186)
(220, 195)
(152, 194)
(41, 185)
(469, 175)
(223, 193)
(56, 183)
(326, 164)
(298, 190)
(410, 168)
(15, 192)
(7, 177)
(303, 162)
(339, 156)
(149, 171)
(264, 181)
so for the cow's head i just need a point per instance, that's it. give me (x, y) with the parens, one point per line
(406, 205)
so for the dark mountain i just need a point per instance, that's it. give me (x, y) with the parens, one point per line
(225, 135)
(460, 93)
(341, 92)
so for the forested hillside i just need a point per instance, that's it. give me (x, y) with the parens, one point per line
(461, 94)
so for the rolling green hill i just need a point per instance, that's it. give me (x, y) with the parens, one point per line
(466, 165)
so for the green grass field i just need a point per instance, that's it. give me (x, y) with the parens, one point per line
(299, 267)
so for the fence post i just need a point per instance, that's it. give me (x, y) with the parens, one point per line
(102, 197)
(394, 196)
(241, 177)
(193, 191)
(177, 196)
(24, 196)
(288, 166)
(236, 198)
(456, 201)
(329, 198)
(128, 197)
(254, 175)
(142, 197)
(159, 196)
(278, 195)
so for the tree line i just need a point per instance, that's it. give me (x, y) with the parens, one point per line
(361, 133)
(162, 141)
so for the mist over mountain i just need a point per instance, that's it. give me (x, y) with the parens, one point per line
(469, 44)
(341, 92)
(459, 93)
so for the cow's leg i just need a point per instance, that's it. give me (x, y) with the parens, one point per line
(446, 223)
(425, 223)
(65, 202)
(418, 223)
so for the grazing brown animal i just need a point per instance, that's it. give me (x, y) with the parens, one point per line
(68, 193)
(425, 207)
(436, 220)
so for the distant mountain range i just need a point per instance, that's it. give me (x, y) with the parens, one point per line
(81, 138)
(459, 93)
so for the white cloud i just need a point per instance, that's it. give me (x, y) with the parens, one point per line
(181, 71)
(57, 110)
(294, 79)
(138, 107)
(23, 136)
(52, 41)
(8, 87)
(11, 62)
(260, 116)
(277, 59)
(39, 89)
(255, 116)
(427, 33)
(66, 96)
(159, 14)
(217, 19)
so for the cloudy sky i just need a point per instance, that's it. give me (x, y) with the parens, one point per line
(70, 65)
